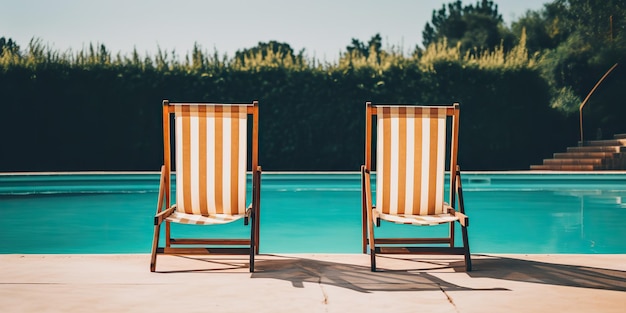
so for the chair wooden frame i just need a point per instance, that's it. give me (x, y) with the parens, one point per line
(371, 216)
(165, 207)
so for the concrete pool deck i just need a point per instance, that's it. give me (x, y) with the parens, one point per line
(312, 283)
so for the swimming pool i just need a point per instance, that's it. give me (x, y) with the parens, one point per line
(510, 212)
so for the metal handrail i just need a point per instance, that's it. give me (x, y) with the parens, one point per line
(587, 98)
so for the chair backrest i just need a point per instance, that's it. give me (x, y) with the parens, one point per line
(210, 154)
(411, 152)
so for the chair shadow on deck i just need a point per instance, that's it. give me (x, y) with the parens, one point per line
(412, 273)
(359, 277)
(505, 268)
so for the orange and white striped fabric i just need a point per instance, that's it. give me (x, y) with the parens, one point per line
(211, 158)
(411, 156)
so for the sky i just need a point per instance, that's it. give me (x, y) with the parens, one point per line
(323, 28)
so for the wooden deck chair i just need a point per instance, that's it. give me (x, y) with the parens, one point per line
(211, 150)
(412, 146)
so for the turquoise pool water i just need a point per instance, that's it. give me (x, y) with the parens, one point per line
(314, 213)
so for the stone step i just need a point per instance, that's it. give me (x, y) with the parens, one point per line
(595, 149)
(583, 155)
(544, 167)
(617, 163)
(572, 162)
(592, 155)
(608, 142)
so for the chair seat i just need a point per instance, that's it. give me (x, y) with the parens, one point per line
(212, 219)
(423, 220)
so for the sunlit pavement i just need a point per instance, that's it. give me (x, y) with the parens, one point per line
(312, 283)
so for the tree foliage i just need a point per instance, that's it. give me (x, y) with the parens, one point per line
(357, 50)
(9, 46)
(270, 52)
(579, 40)
(374, 46)
(472, 26)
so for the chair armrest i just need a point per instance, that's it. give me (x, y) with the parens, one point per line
(158, 219)
(463, 219)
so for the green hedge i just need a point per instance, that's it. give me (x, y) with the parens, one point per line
(59, 118)
(91, 111)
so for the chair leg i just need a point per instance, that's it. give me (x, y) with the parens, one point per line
(155, 245)
(372, 259)
(372, 242)
(253, 245)
(468, 259)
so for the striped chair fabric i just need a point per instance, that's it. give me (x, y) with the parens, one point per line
(410, 165)
(211, 143)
